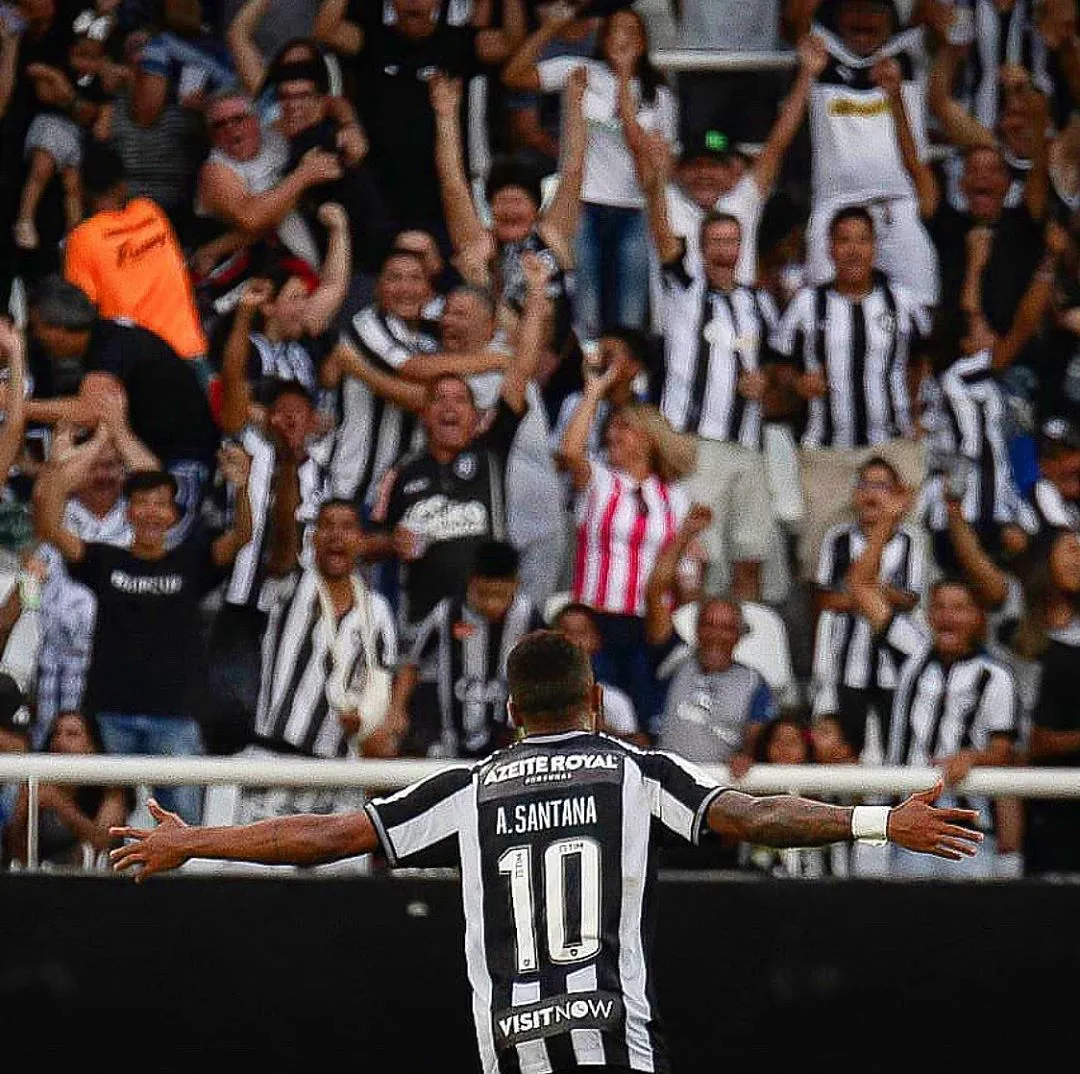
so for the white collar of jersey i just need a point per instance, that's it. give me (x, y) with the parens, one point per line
(560, 736)
(905, 39)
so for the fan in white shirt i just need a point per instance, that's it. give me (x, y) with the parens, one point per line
(711, 174)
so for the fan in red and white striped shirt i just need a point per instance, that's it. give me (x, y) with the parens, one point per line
(622, 525)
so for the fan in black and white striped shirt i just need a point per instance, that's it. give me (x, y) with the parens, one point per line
(954, 706)
(852, 674)
(557, 839)
(716, 334)
(460, 652)
(853, 336)
(966, 408)
(846, 346)
(373, 431)
(304, 652)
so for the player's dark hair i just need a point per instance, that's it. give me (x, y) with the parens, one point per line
(497, 560)
(148, 480)
(548, 677)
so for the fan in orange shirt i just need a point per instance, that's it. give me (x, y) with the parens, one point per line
(126, 257)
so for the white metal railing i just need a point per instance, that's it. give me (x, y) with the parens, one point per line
(385, 775)
(676, 60)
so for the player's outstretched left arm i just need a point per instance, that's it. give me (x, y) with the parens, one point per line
(790, 821)
(302, 839)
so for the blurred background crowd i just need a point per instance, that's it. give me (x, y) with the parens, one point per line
(345, 342)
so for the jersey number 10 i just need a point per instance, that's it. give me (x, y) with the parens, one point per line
(516, 863)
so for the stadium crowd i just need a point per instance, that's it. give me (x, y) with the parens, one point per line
(350, 341)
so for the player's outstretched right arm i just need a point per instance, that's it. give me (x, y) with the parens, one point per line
(784, 820)
(302, 839)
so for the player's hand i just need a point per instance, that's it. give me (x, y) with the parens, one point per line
(917, 824)
(151, 850)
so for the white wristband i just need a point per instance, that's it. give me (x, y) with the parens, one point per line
(870, 824)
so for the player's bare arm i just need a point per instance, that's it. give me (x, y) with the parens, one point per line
(787, 821)
(302, 839)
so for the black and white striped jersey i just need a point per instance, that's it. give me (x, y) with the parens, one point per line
(942, 707)
(862, 348)
(248, 570)
(373, 433)
(845, 651)
(710, 339)
(465, 655)
(556, 838)
(301, 651)
(966, 418)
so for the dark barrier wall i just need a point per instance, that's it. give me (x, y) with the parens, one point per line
(367, 974)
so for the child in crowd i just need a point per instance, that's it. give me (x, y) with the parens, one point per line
(54, 142)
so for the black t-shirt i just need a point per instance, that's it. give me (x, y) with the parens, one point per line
(391, 76)
(453, 507)
(147, 650)
(1014, 256)
(167, 407)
